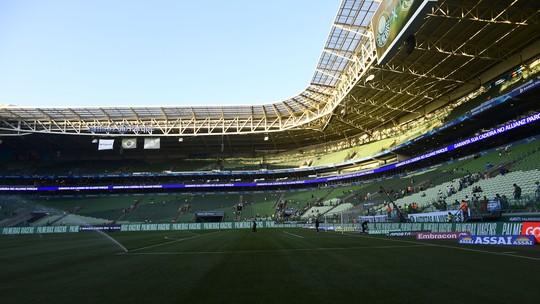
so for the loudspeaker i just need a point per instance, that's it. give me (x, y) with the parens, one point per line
(410, 44)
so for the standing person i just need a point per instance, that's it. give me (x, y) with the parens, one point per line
(537, 191)
(464, 207)
(254, 226)
(317, 224)
(389, 210)
(476, 203)
(517, 192)
(364, 226)
(483, 204)
(504, 202)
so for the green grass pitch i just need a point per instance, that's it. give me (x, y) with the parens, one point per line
(270, 266)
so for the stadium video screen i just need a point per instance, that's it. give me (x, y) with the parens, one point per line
(392, 20)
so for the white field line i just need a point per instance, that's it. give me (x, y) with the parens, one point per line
(270, 250)
(296, 235)
(451, 247)
(176, 239)
(169, 242)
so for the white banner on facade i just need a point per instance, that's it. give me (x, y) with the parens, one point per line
(129, 143)
(432, 217)
(151, 143)
(373, 218)
(105, 144)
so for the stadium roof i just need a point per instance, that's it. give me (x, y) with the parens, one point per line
(347, 33)
(453, 49)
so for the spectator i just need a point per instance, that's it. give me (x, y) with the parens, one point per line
(537, 191)
(414, 207)
(364, 226)
(476, 202)
(389, 210)
(464, 207)
(504, 202)
(440, 195)
(517, 192)
(477, 189)
(483, 204)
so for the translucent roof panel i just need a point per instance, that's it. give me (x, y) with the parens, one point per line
(346, 34)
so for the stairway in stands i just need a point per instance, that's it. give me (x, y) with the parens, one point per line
(128, 211)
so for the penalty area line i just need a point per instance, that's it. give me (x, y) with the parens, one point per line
(296, 235)
(166, 243)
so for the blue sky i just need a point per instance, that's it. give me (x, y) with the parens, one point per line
(123, 53)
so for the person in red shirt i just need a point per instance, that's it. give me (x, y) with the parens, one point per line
(389, 210)
(464, 207)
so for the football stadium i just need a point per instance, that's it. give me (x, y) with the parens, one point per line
(406, 171)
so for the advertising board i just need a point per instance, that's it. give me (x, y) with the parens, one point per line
(494, 228)
(109, 228)
(404, 233)
(440, 235)
(531, 228)
(498, 240)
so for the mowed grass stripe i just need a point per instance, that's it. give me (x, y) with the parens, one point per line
(268, 241)
(272, 250)
(245, 240)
